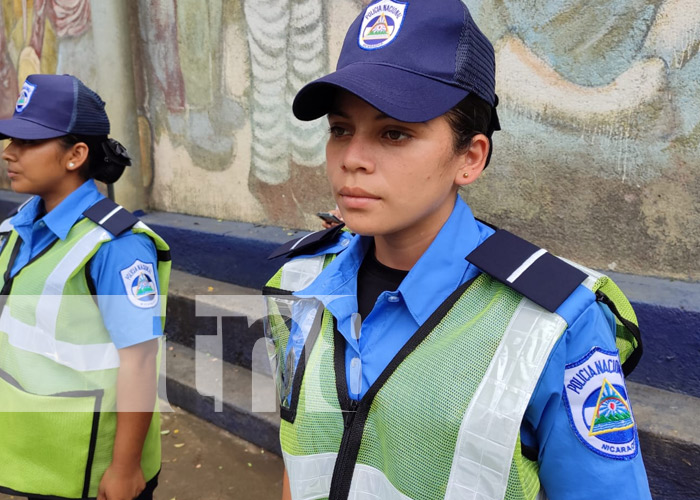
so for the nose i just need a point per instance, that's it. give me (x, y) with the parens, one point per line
(9, 153)
(358, 155)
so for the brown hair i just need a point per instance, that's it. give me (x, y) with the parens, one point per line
(469, 117)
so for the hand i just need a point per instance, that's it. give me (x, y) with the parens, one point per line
(121, 483)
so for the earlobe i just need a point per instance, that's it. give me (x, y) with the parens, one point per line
(77, 156)
(474, 160)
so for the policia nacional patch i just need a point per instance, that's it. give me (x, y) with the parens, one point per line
(598, 405)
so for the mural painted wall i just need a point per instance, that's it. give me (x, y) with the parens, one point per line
(600, 106)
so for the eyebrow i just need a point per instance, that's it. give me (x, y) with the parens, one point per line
(379, 116)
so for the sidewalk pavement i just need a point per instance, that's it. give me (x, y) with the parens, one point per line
(203, 462)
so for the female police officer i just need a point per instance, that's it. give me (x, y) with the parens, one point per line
(81, 277)
(407, 371)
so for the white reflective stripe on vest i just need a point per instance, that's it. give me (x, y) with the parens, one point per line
(490, 427)
(47, 307)
(78, 357)
(310, 478)
(41, 339)
(6, 226)
(309, 475)
(369, 483)
(297, 274)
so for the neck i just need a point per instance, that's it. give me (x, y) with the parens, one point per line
(53, 199)
(402, 250)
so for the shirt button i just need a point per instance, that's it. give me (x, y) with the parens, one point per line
(355, 376)
(344, 243)
(393, 298)
(42, 223)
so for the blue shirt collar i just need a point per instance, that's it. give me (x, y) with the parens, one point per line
(442, 267)
(62, 218)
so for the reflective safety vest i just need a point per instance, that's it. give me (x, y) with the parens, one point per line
(443, 419)
(58, 365)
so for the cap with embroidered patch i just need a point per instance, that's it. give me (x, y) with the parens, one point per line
(53, 106)
(412, 60)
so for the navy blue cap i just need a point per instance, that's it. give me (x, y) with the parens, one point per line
(412, 60)
(53, 106)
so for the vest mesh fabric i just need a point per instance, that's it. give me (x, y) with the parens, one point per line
(318, 427)
(53, 461)
(624, 341)
(428, 394)
(413, 424)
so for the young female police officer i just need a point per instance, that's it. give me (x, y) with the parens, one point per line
(428, 355)
(82, 281)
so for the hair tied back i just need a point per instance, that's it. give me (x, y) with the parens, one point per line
(115, 153)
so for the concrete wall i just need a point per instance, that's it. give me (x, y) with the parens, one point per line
(600, 105)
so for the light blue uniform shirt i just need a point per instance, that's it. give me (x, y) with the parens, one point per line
(127, 324)
(568, 469)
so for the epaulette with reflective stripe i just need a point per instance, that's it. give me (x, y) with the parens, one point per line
(308, 243)
(111, 216)
(535, 273)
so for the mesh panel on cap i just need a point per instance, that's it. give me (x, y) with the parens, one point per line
(475, 65)
(89, 117)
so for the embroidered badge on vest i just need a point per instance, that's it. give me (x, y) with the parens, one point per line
(598, 405)
(25, 96)
(381, 24)
(140, 284)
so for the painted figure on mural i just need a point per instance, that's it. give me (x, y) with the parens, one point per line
(22, 52)
(612, 69)
(183, 45)
(424, 353)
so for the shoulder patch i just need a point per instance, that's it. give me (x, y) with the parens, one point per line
(598, 405)
(140, 284)
(308, 243)
(111, 216)
(532, 271)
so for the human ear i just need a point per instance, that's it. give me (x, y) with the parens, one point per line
(76, 156)
(473, 160)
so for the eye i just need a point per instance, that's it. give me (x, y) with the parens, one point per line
(396, 135)
(25, 142)
(338, 131)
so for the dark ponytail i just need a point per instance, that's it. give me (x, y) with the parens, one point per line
(107, 158)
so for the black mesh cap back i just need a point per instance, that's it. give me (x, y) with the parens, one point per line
(475, 64)
(89, 116)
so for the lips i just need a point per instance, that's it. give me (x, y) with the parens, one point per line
(355, 192)
(357, 198)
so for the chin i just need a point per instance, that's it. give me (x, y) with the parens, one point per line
(361, 227)
(366, 226)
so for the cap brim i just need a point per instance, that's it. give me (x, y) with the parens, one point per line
(401, 94)
(19, 128)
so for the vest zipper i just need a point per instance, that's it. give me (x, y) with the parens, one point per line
(347, 454)
(355, 413)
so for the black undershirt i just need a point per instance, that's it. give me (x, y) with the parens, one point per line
(373, 278)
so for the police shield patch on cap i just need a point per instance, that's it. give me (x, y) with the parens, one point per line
(25, 96)
(140, 284)
(381, 23)
(599, 410)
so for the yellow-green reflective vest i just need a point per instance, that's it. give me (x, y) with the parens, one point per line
(444, 422)
(58, 369)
